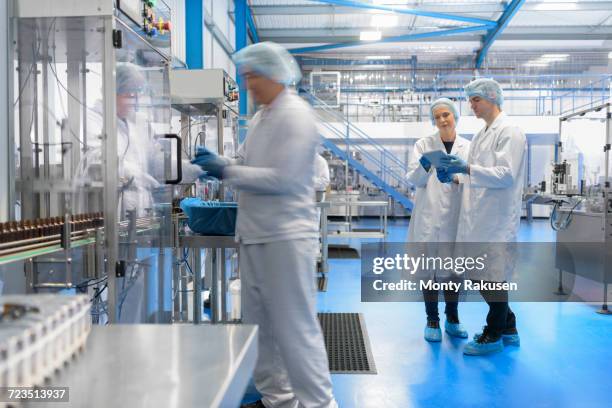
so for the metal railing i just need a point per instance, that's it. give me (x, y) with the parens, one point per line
(373, 154)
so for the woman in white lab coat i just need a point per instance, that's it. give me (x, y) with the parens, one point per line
(435, 214)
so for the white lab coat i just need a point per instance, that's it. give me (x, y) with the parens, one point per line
(436, 210)
(321, 178)
(274, 173)
(491, 202)
(276, 228)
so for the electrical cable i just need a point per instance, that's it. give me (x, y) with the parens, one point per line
(99, 292)
(559, 226)
(81, 286)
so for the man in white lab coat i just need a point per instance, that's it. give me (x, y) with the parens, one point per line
(276, 228)
(493, 177)
(436, 210)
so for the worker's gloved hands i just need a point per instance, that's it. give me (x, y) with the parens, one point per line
(212, 164)
(425, 163)
(453, 164)
(443, 175)
(202, 151)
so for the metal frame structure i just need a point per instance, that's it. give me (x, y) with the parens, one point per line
(500, 25)
(117, 244)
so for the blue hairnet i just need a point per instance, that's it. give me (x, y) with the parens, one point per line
(270, 60)
(129, 79)
(486, 88)
(443, 102)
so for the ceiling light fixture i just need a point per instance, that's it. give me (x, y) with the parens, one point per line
(370, 35)
(378, 57)
(555, 56)
(535, 64)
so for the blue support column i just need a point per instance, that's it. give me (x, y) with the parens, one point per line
(241, 11)
(194, 33)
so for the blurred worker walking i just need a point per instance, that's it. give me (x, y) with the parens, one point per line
(276, 227)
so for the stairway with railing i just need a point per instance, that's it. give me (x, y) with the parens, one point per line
(376, 163)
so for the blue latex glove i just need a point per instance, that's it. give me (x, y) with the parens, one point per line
(453, 164)
(443, 175)
(425, 163)
(203, 155)
(213, 165)
(202, 151)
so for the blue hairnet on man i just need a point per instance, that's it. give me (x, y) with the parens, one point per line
(277, 231)
(492, 177)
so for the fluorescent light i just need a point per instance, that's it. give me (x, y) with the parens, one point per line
(535, 64)
(370, 35)
(555, 56)
(378, 57)
(610, 55)
(384, 20)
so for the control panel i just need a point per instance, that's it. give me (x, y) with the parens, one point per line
(151, 16)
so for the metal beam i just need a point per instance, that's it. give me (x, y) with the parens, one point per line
(401, 38)
(252, 26)
(454, 8)
(209, 22)
(492, 35)
(536, 33)
(415, 12)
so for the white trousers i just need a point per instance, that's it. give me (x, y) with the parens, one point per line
(279, 295)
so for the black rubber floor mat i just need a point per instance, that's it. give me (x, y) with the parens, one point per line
(342, 252)
(322, 283)
(347, 343)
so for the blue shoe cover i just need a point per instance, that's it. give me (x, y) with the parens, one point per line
(474, 348)
(455, 330)
(432, 334)
(511, 340)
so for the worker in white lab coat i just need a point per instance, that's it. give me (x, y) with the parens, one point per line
(436, 211)
(276, 228)
(493, 177)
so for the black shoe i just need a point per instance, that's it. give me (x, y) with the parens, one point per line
(486, 336)
(452, 319)
(433, 324)
(256, 404)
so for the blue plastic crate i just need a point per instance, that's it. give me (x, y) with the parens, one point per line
(210, 217)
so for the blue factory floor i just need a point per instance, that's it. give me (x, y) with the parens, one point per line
(564, 359)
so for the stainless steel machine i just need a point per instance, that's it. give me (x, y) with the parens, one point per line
(94, 160)
(206, 101)
(582, 215)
